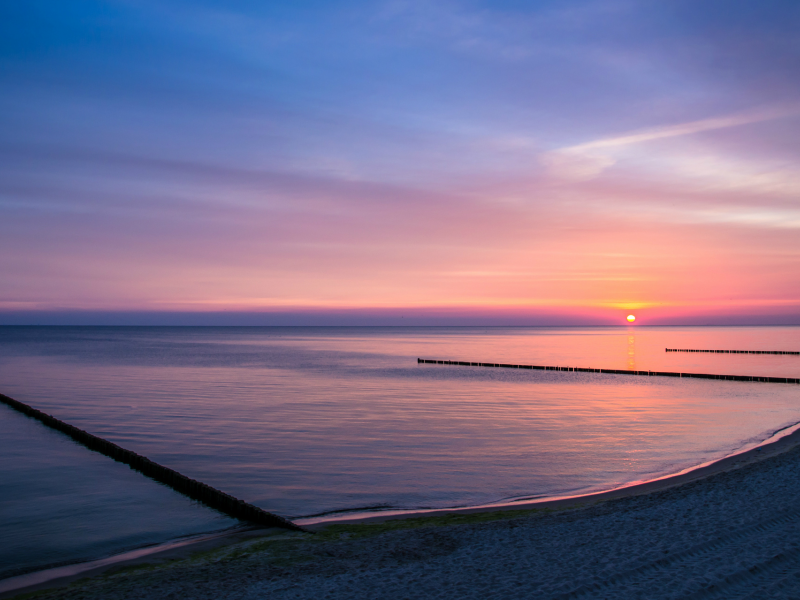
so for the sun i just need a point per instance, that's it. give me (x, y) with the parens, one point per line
(631, 318)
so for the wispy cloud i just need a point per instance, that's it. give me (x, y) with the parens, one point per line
(589, 159)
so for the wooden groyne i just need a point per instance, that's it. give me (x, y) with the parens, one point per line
(732, 351)
(614, 371)
(196, 490)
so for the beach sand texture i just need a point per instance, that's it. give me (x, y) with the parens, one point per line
(733, 534)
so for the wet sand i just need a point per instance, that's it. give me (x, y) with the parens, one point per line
(730, 529)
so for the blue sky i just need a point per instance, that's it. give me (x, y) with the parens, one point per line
(396, 156)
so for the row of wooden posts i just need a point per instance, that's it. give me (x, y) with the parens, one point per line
(196, 490)
(613, 371)
(732, 351)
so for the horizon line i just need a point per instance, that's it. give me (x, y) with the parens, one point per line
(387, 318)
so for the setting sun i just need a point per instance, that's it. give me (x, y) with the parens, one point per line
(631, 318)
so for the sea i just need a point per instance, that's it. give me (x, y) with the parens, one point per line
(320, 422)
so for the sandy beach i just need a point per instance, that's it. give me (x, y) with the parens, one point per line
(729, 530)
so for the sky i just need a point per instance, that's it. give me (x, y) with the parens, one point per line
(400, 162)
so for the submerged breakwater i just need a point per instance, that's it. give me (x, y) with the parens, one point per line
(613, 371)
(196, 490)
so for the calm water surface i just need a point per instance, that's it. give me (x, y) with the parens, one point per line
(304, 421)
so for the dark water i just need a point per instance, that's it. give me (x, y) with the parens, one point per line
(62, 503)
(302, 421)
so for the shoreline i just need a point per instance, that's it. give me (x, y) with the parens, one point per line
(780, 442)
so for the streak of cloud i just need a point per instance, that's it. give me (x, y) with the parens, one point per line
(587, 160)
